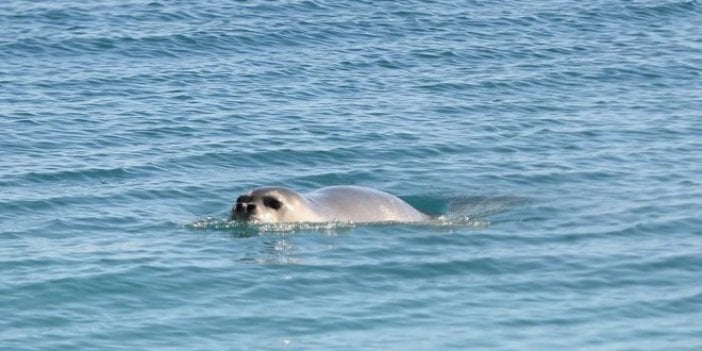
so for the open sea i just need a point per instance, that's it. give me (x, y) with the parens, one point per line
(558, 144)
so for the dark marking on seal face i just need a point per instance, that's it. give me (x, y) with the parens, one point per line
(272, 202)
(245, 208)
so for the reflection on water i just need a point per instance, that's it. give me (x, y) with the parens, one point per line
(276, 250)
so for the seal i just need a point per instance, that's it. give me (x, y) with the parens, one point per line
(343, 203)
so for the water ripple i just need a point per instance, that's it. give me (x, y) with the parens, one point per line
(556, 145)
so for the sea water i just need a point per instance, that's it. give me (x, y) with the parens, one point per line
(558, 144)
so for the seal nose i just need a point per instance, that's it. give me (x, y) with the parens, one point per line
(243, 207)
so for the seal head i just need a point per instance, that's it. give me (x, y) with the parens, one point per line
(271, 205)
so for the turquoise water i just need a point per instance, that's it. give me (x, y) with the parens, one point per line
(561, 143)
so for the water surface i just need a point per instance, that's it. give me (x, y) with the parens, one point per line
(566, 136)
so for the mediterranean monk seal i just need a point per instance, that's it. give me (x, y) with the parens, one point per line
(342, 203)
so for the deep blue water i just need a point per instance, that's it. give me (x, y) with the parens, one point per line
(561, 141)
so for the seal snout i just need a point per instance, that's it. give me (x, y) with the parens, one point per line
(244, 208)
(240, 207)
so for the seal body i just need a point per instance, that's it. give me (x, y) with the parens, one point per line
(335, 203)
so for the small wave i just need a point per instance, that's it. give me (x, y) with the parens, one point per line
(663, 10)
(244, 229)
(482, 206)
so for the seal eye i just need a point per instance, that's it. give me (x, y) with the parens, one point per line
(272, 202)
